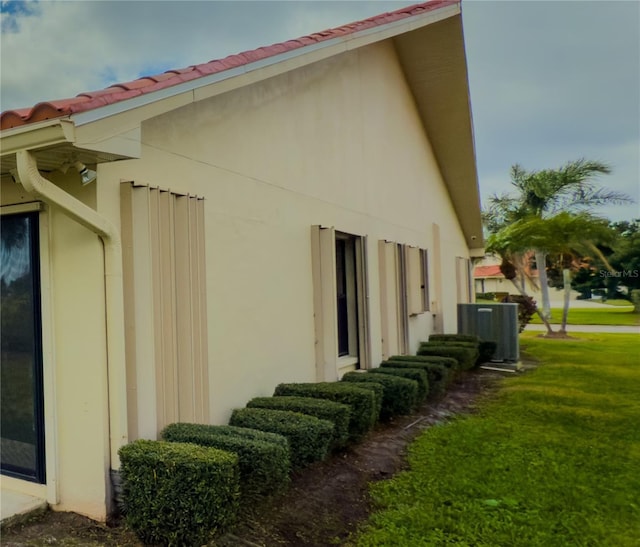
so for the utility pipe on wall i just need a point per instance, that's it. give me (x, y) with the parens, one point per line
(36, 184)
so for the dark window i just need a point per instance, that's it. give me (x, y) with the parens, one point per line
(22, 412)
(343, 306)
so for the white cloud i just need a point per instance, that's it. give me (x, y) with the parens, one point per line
(550, 81)
(71, 47)
(553, 82)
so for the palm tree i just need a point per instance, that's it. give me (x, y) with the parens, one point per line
(511, 252)
(544, 193)
(564, 236)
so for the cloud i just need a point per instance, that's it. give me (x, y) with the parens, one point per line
(12, 11)
(66, 48)
(552, 82)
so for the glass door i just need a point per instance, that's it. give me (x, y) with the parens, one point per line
(21, 397)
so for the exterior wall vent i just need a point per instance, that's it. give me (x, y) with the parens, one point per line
(497, 322)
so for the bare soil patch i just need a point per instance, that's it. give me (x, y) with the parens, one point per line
(325, 503)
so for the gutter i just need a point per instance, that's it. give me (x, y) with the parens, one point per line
(45, 190)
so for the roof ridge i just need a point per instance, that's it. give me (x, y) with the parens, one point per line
(117, 92)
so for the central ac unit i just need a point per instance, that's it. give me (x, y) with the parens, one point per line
(496, 322)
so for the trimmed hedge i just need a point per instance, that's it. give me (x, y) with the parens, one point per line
(399, 395)
(486, 348)
(448, 362)
(378, 395)
(263, 458)
(440, 376)
(475, 346)
(337, 413)
(472, 345)
(363, 402)
(418, 375)
(466, 357)
(178, 493)
(472, 338)
(308, 437)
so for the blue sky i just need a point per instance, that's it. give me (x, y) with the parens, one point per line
(550, 81)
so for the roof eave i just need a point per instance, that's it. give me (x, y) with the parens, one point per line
(37, 135)
(113, 127)
(147, 105)
(58, 141)
(434, 62)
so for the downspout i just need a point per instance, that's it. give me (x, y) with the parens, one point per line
(45, 190)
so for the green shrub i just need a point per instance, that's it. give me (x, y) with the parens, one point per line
(470, 341)
(337, 413)
(363, 402)
(308, 437)
(378, 395)
(418, 375)
(448, 362)
(486, 351)
(526, 308)
(472, 345)
(469, 338)
(399, 395)
(178, 493)
(263, 458)
(466, 357)
(439, 375)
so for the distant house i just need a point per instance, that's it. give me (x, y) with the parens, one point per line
(488, 279)
(286, 214)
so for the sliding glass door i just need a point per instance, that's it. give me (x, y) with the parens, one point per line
(21, 397)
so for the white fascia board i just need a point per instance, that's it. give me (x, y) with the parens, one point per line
(126, 143)
(332, 47)
(37, 135)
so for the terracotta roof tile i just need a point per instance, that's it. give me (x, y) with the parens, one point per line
(161, 77)
(135, 84)
(487, 271)
(120, 92)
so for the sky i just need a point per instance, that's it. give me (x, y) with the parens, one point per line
(550, 81)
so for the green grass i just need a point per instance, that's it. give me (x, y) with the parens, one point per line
(617, 302)
(594, 316)
(552, 460)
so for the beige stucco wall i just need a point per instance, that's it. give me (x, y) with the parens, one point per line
(74, 356)
(338, 143)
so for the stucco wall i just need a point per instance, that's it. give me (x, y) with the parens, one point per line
(338, 143)
(74, 356)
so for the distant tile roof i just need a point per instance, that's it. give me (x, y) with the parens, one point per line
(487, 271)
(122, 91)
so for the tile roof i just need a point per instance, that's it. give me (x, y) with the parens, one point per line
(487, 271)
(148, 84)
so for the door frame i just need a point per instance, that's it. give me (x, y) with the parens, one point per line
(39, 473)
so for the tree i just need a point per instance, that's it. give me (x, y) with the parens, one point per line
(625, 258)
(622, 273)
(544, 193)
(563, 237)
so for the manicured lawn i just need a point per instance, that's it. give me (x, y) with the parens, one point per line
(616, 302)
(551, 460)
(615, 315)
